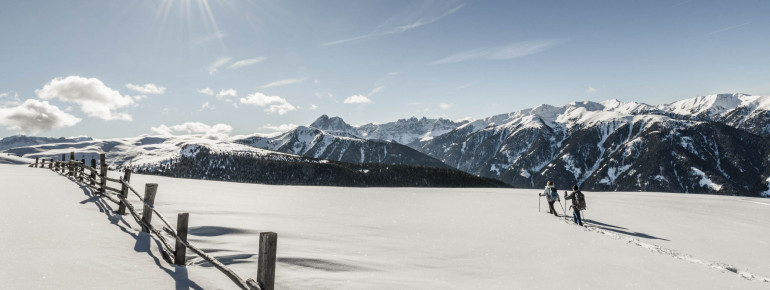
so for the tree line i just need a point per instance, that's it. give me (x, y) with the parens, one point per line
(291, 170)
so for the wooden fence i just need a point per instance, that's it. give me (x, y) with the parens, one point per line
(176, 254)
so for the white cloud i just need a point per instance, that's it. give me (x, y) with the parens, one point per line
(729, 28)
(591, 90)
(425, 17)
(281, 128)
(95, 98)
(206, 91)
(246, 62)
(147, 88)
(162, 130)
(445, 106)
(10, 99)
(214, 68)
(216, 132)
(206, 105)
(226, 93)
(357, 99)
(214, 36)
(273, 103)
(376, 90)
(34, 116)
(510, 51)
(313, 107)
(282, 83)
(467, 85)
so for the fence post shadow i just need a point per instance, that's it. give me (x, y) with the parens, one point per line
(99, 193)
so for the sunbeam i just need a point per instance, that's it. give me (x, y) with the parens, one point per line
(198, 29)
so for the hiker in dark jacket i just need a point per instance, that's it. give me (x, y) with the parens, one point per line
(547, 193)
(575, 205)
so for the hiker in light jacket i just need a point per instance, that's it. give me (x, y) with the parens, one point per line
(547, 193)
(575, 207)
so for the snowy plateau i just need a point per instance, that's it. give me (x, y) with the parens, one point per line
(59, 236)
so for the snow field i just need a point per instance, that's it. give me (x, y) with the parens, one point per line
(415, 238)
(54, 236)
(383, 238)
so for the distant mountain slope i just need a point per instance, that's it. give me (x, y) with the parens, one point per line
(138, 150)
(341, 146)
(403, 131)
(707, 144)
(21, 140)
(695, 145)
(254, 168)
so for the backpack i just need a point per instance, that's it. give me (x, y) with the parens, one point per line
(580, 201)
(553, 195)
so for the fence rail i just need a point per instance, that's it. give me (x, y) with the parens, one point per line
(97, 180)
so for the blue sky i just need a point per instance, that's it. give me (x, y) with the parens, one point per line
(124, 68)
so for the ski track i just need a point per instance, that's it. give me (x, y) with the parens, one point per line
(722, 267)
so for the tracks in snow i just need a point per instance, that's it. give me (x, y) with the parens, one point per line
(722, 267)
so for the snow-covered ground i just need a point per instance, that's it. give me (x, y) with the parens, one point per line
(384, 238)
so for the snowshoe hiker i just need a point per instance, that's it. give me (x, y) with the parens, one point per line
(552, 195)
(578, 203)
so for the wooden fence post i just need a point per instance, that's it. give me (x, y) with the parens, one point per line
(149, 198)
(93, 172)
(72, 163)
(103, 171)
(181, 230)
(36, 158)
(268, 242)
(61, 165)
(124, 192)
(42, 163)
(50, 165)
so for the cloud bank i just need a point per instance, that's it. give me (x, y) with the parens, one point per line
(94, 98)
(217, 132)
(214, 68)
(427, 17)
(274, 104)
(206, 91)
(147, 88)
(34, 116)
(510, 51)
(246, 62)
(357, 99)
(281, 128)
(282, 83)
(226, 93)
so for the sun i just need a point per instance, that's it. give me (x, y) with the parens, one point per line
(192, 16)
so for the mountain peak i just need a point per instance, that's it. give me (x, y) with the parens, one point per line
(333, 125)
(708, 105)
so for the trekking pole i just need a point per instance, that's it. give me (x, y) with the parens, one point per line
(538, 202)
(564, 209)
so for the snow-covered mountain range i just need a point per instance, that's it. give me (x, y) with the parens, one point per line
(139, 151)
(707, 144)
(341, 145)
(21, 140)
